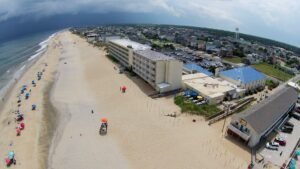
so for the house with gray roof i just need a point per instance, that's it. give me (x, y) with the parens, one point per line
(256, 123)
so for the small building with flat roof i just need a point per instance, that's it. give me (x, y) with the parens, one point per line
(256, 123)
(190, 68)
(213, 89)
(245, 77)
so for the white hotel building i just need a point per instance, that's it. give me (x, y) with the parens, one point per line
(162, 72)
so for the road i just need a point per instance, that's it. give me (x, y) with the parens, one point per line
(282, 85)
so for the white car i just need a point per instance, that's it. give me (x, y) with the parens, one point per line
(275, 144)
(269, 146)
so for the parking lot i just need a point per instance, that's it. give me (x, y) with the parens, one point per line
(273, 156)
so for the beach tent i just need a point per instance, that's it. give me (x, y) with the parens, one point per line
(297, 153)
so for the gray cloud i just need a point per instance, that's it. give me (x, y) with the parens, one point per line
(278, 15)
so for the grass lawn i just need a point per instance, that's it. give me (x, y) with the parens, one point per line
(273, 72)
(187, 106)
(234, 60)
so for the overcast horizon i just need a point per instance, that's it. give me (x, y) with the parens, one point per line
(272, 19)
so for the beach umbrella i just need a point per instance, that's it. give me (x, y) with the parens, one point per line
(18, 131)
(11, 155)
(7, 160)
(22, 126)
(104, 120)
(124, 88)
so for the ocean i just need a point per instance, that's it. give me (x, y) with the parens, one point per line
(17, 55)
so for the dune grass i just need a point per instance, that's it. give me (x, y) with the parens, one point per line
(187, 106)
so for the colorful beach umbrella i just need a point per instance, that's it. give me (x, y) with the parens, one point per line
(11, 155)
(22, 126)
(7, 160)
(104, 120)
(18, 131)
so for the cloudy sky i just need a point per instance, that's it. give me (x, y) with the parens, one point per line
(275, 19)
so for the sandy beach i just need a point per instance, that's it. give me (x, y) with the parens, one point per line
(79, 78)
(31, 147)
(139, 135)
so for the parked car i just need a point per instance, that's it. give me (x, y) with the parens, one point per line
(268, 146)
(296, 116)
(280, 140)
(286, 129)
(275, 144)
(289, 124)
(286, 126)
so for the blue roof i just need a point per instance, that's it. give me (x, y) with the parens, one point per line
(244, 74)
(195, 67)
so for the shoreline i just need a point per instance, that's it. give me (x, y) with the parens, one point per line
(6, 90)
(40, 124)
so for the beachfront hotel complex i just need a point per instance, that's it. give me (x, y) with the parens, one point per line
(162, 72)
(122, 50)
